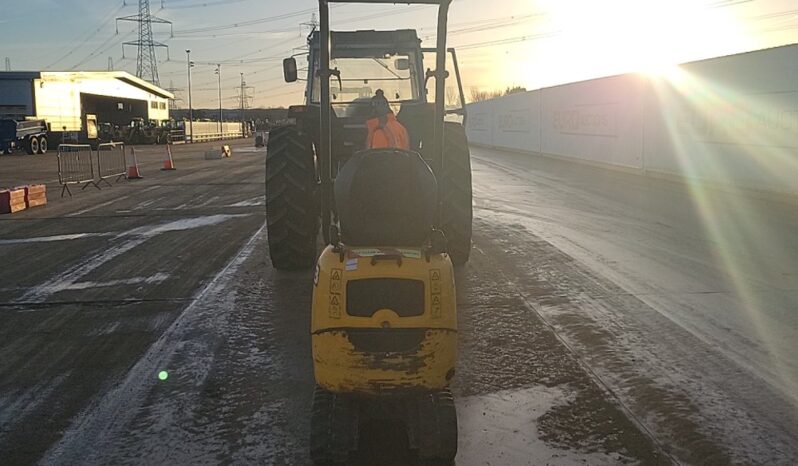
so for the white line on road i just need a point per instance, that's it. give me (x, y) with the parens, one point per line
(47, 239)
(106, 416)
(151, 280)
(97, 206)
(136, 237)
(107, 203)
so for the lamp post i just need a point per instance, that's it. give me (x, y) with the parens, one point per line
(219, 74)
(190, 64)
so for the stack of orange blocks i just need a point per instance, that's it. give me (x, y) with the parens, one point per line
(22, 197)
(12, 200)
(35, 195)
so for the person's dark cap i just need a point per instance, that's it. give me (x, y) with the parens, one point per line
(379, 104)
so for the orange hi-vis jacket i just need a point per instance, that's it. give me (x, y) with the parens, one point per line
(390, 135)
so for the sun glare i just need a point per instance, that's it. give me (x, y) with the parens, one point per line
(648, 36)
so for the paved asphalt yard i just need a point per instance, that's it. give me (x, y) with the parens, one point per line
(101, 293)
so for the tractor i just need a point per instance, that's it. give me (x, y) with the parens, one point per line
(394, 223)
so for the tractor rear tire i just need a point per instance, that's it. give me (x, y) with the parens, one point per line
(292, 209)
(457, 213)
(333, 428)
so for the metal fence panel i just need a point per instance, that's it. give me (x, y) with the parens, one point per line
(75, 166)
(176, 136)
(111, 161)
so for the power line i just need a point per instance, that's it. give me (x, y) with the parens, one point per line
(252, 22)
(106, 19)
(102, 48)
(202, 5)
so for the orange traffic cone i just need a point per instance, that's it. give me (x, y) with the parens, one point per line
(168, 163)
(133, 170)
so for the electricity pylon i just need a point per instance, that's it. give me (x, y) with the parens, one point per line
(147, 62)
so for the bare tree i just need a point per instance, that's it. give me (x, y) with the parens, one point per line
(452, 99)
(478, 95)
(514, 90)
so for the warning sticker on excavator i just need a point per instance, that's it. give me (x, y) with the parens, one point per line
(335, 306)
(435, 292)
(335, 286)
(351, 264)
(435, 308)
(411, 253)
(335, 281)
(371, 252)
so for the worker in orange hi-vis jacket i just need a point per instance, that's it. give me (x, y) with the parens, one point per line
(384, 129)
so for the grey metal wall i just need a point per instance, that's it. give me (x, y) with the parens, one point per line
(729, 120)
(16, 97)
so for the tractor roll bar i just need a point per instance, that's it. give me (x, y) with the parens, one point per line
(325, 73)
(395, 2)
(325, 165)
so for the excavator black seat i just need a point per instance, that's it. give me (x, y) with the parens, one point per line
(385, 197)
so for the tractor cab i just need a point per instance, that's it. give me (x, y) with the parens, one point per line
(361, 63)
(345, 69)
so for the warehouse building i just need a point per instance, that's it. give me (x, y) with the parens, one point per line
(64, 99)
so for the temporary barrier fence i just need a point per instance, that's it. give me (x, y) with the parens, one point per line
(217, 136)
(75, 166)
(111, 162)
(261, 138)
(176, 136)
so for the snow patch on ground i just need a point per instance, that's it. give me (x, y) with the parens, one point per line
(502, 428)
(255, 201)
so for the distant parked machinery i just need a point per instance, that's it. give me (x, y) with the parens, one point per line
(28, 135)
(140, 132)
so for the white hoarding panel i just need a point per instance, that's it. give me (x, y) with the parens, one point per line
(730, 120)
(516, 122)
(508, 122)
(479, 125)
(598, 120)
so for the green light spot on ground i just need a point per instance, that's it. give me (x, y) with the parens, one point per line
(163, 375)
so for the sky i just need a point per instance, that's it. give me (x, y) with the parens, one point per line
(501, 43)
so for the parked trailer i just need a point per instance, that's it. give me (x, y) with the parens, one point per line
(30, 135)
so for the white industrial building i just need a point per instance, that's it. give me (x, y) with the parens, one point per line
(63, 99)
